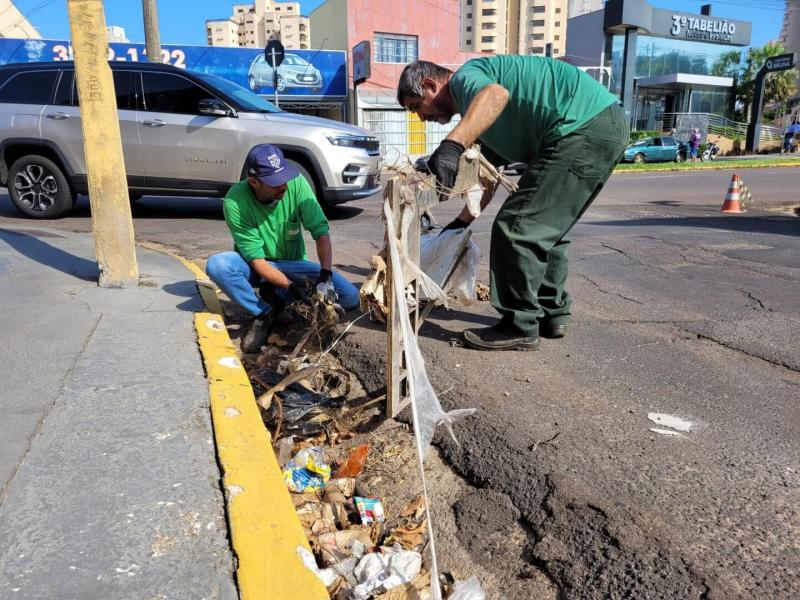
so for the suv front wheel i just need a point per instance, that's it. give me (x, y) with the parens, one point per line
(38, 188)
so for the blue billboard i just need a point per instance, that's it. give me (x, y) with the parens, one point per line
(306, 75)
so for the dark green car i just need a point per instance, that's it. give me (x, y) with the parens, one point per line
(655, 149)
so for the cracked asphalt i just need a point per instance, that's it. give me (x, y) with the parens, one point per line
(679, 309)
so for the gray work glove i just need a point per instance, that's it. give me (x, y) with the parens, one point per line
(325, 290)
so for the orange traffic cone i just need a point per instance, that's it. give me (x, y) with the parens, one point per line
(732, 202)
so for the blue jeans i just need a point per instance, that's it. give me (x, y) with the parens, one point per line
(234, 276)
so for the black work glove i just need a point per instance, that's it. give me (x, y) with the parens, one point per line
(444, 165)
(297, 290)
(454, 225)
(324, 288)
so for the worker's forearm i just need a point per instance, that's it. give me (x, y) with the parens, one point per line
(269, 273)
(488, 104)
(325, 252)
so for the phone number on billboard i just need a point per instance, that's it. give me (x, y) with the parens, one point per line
(176, 58)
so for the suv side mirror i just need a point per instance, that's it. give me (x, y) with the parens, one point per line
(213, 107)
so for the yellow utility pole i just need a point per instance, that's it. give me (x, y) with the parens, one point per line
(102, 143)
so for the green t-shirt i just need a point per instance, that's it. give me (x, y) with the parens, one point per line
(548, 99)
(273, 233)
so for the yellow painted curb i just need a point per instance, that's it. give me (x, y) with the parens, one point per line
(265, 530)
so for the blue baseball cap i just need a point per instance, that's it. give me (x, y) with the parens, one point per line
(267, 163)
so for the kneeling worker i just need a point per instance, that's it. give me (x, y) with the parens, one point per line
(265, 214)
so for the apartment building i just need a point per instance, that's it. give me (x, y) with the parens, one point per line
(514, 26)
(253, 25)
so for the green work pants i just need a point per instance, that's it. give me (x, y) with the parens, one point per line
(528, 251)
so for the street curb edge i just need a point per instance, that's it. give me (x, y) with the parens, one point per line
(265, 530)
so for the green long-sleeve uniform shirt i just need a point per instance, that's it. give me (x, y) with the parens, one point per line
(273, 233)
(548, 99)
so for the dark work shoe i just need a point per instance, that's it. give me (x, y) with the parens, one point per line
(257, 333)
(492, 338)
(552, 330)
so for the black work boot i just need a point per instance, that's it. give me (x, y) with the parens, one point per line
(496, 338)
(257, 333)
(552, 330)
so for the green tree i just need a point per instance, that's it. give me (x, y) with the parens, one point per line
(779, 86)
(728, 64)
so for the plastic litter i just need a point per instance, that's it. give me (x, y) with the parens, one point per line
(296, 403)
(327, 576)
(438, 252)
(380, 572)
(370, 509)
(355, 462)
(307, 471)
(468, 590)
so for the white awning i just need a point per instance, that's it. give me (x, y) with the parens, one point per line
(682, 79)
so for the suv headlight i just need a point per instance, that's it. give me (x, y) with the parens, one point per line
(365, 142)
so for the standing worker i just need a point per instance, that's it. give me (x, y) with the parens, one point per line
(266, 214)
(568, 129)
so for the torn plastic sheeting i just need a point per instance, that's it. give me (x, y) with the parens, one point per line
(425, 406)
(438, 252)
(421, 390)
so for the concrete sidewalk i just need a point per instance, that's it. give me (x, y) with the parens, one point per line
(110, 485)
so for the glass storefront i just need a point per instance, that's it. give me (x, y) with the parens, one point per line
(657, 56)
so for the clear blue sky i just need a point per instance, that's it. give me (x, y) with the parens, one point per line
(183, 21)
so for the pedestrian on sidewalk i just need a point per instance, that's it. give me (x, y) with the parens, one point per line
(694, 144)
(265, 214)
(568, 129)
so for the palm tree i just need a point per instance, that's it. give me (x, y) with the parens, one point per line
(779, 86)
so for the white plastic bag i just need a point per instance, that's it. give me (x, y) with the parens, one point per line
(468, 590)
(437, 251)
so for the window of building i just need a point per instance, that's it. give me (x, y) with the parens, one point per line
(487, 1)
(396, 48)
(537, 23)
(556, 37)
(536, 36)
(488, 25)
(487, 39)
(469, 2)
(469, 28)
(469, 42)
(536, 50)
(35, 87)
(558, 23)
(488, 12)
(556, 51)
(558, 11)
(469, 15)
(537, 9)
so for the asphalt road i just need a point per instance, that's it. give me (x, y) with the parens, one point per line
(679, 310)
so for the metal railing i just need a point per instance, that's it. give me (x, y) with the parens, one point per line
(719, 125)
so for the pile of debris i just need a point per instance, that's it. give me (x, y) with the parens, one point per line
(316, 411)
